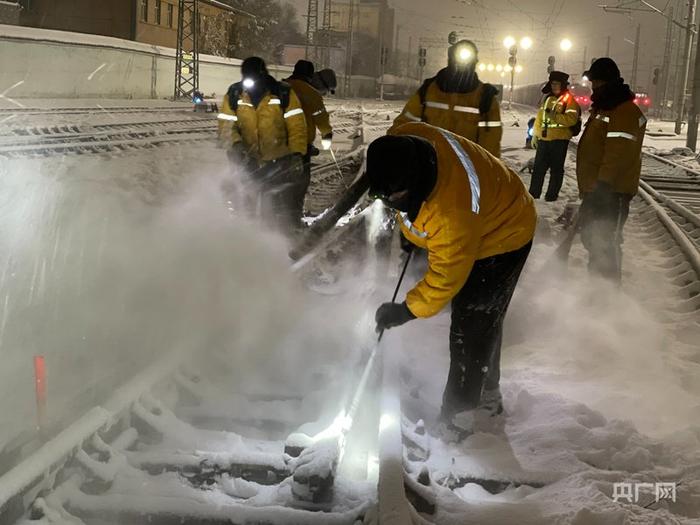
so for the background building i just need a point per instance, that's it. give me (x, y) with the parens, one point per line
(148, 21)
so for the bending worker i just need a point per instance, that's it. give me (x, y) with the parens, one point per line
(456, 100)
(476, 220)
(315, 113)
(608, 166)
(557, 121)
(263, 124)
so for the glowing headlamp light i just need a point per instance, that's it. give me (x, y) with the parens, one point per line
(465, 54)
(326, 144)
(248, 83)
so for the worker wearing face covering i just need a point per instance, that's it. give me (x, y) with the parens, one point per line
(608, 166)
(263, 126)
(456, 100)
(476, 220)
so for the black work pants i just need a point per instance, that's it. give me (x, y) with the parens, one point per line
(603, 215)
(281, 187)
(551, 155)
(476, 330)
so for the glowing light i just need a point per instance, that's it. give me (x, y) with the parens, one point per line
(507, 69)
(341, 424)
(465, 54)
(502, 75)
(526, 42)
(482, 67)
(566, 44)
(326, 144)
(499, 67)
(248, 83)
(490, 67)
(518, 69)
(508, 42)
(385, 422)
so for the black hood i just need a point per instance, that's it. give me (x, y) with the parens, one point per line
(457, 80)
(610, 95)
(403, 162)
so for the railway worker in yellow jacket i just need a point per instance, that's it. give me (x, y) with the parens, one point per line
(476, 220)
(456, 100)
(558, 120)
(262, 124)
(314, 111)
(608, 166)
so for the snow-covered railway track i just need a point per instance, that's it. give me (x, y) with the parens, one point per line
(673, 191)
(66, 130)
(104, 140)
(23, 111)
(164, 449)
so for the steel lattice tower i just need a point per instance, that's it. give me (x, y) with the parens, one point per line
(187, 57)
(311, 30)
(326, 50)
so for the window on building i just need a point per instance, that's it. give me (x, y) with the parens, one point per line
(158, 11)
(144, 10)
(171, 14)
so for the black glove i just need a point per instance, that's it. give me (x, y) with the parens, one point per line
(390, 315)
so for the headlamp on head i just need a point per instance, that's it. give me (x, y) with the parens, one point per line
(465, 54)
(248, 83)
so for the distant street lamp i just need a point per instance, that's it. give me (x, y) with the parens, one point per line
(490, 67)
(526, 42)
(518, 68)
(482, 67)
(565, 44)
(509, 42)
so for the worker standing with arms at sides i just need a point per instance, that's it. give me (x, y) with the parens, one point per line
(558, 120)
(315, 113)
(456, 100)
(608, 166)
(476, 220)
(263, 126)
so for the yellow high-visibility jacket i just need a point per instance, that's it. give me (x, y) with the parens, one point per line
(478, 208)
(610, 149)
(563, 113)
(268, 131)
(458, 113)
(314, 109)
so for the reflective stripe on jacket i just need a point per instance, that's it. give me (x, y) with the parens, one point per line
(610, 149)
(564, 113)
(458, 113)
(268, 131)
(478, 208)
(314, 109)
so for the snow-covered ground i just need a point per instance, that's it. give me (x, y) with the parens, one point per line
(109, 261)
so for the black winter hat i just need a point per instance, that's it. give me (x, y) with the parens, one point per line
(603, 69)
(393, 164)
(559, 76)
(253, 67)
(304, 68)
